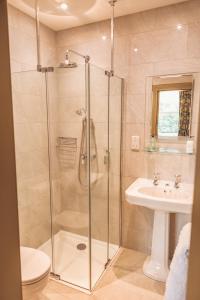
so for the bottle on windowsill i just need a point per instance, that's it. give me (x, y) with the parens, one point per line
(190, 146)
(153, 144)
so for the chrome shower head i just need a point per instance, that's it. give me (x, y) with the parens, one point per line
(67, 63)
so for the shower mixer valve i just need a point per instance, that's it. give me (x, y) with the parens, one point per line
(83, 158)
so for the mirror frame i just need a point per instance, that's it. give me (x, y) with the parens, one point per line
(171, 144)
(155, 113)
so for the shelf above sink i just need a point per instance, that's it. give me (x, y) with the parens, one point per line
(167, 150)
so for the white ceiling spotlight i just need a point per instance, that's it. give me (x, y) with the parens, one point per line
(179, 27)
(104, 37)
(63, 6)
(135, 50)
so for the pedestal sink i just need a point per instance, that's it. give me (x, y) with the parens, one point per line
(163, 199)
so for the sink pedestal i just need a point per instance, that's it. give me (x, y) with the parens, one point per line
(157, 265)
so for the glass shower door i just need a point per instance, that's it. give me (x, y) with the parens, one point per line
(115, 148)
(105, 168)
(84, 131)
(69, 174)
(99, 165)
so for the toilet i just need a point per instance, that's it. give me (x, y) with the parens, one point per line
(35, 269)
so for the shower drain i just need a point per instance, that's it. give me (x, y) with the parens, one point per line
(81, 246)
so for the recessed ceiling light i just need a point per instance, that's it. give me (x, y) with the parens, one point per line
(63, 6)
(179, 26)
(135, 50)
(104, 37)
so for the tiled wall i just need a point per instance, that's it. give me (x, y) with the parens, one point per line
(162, 49)
(31, 140)
(30, 124)
(23, 42)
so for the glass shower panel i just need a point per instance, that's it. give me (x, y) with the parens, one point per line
(68, 148)
(69, 174)
(115, 100)
(98, 171)
(32, 161)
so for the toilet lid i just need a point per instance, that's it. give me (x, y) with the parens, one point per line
(35, 264)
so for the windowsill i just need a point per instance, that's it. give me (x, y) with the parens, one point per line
(172, 140)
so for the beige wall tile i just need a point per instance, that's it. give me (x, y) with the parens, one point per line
(135, 108)
(136, 80)
(30, 123)
(193, 45)
(167, 44)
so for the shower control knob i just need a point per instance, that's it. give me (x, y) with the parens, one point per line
(93, 156)
(83, 159)
(106, 158)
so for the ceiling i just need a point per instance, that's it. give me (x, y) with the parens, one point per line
(80, 12)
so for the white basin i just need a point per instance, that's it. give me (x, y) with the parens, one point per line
(163, 199)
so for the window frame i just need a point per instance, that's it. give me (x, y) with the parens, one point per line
(155, 108)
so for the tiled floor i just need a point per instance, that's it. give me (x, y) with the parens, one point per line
(123, 281)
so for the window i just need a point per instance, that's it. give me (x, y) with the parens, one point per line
(171, 110)
(168, 114)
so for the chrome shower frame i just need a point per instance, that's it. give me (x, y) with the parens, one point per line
(112, 35)
(85, 57)
(37, 26)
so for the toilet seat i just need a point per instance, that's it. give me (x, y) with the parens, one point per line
(35, 265)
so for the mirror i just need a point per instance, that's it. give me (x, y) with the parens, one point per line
(172, 105)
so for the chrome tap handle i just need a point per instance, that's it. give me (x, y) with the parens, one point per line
(156, 178)
(177, 181)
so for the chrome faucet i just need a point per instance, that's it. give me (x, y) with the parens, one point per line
(177, 181)
(156, 178)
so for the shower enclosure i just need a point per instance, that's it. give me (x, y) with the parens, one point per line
(69, 186)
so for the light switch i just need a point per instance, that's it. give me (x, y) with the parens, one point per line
(135, 143)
